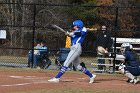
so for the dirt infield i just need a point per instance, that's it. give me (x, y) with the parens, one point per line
(22, 81)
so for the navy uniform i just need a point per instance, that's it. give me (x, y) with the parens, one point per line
(132, 65)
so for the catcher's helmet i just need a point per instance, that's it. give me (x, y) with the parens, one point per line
(124, 45)
(78, 23)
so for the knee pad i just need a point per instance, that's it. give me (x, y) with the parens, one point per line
(129, 75)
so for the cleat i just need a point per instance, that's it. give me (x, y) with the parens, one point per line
(54, 80)
(92, 78)
(38, 67)
(136, 80)
(128, 81)
(131, 81)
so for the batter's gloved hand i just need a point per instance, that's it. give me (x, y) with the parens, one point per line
(69, 33)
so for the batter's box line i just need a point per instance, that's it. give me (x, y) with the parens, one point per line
(28, 77)
(23, 84)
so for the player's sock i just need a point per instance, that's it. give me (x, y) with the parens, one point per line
(61, 72)
(87, 72)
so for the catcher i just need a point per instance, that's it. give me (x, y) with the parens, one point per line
(77, 35)
(131, 66)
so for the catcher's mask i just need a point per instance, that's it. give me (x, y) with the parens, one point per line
(126, 45)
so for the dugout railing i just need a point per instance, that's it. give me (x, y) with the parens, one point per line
(26, 22)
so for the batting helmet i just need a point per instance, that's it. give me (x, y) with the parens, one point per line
(78, 23)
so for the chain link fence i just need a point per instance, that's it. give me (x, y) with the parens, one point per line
(26, 23)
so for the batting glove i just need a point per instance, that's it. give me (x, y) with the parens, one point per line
(69, 33)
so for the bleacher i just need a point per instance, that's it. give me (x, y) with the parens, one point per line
(134, 41)
(109, 60)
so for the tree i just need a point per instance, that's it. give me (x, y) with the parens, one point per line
(83, 9)
(127, 14)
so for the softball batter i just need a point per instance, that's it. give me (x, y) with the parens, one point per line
(77, 35)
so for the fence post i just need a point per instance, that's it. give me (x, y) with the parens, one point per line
(33, 36)
(115, 29)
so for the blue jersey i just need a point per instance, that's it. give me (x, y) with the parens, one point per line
(78, 38)
(130, 57)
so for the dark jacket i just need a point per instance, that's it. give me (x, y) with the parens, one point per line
(104, 39)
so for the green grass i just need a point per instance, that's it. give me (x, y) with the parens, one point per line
(13, 59)
(24, 60)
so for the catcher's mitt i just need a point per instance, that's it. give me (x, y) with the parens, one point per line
(101, 50)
